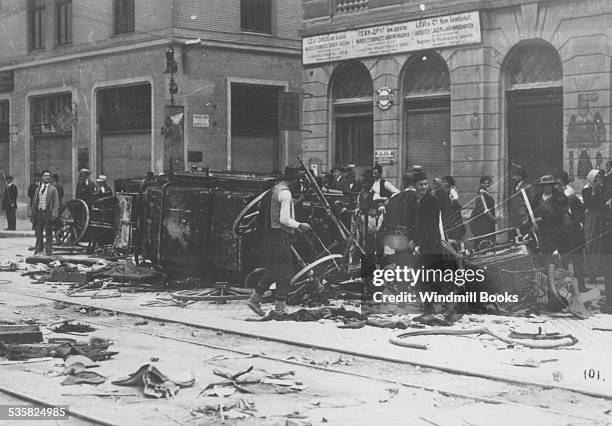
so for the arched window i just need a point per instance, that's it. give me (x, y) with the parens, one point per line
(533, 64)
(533, 81)
(427, 73)
(426, 90)
(351, 81)
(352, 98)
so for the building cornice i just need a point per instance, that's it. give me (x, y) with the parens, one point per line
(399, 13)
(244, 42)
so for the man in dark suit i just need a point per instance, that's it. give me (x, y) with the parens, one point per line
(59, 187)
(399, 220)
(45, 209)
(9, 203)
(427, 220)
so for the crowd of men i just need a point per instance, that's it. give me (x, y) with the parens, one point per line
(46, 198)
(560, 225)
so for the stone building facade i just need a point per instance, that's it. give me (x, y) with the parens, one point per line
(86, 84)
(464, 88)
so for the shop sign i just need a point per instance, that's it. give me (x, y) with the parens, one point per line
(384, 157)
(384, 98)
(431, 33)
(7, 81)
(201, 120)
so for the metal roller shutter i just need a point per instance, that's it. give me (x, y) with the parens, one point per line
(428, 137)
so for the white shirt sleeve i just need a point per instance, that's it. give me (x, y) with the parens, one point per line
(453, 194)
(285, 211)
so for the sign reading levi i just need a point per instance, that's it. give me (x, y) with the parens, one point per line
(442, 31)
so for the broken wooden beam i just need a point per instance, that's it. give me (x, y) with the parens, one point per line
(20, 334)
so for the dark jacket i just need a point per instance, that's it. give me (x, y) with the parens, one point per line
(85, 190)
(9, 201)
(52, 202)
(558, 229)
(519, 214)
(427, 225)
(482, 223)
(401, 211)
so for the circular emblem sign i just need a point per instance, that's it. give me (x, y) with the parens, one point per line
(384, 98)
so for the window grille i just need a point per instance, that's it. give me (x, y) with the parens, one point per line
(125, 109)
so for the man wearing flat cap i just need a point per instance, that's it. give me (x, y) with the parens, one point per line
(279, 226)
(9, 203)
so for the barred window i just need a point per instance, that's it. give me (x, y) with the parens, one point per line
(36, 9)
(64, 21)
(4, 122)
(124, 16)
(254, 109)
(256, 16)
(125, 109)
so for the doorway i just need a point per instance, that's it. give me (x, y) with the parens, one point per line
(535, 131)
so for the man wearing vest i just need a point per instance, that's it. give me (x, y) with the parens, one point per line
(275, 240)
(381, 188)
(45, 208)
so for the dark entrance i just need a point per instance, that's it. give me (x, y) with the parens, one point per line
(353, 117)
(354, 128)
(427, 102)
(535, 131)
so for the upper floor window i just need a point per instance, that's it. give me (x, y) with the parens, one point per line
(124, 16)
(256, 16)
(5, 134)
(64, 21)
(35, 24)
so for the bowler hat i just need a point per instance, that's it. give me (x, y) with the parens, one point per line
(291, 173)
(547, 180)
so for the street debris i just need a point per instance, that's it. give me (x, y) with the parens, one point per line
(69, 327)
(237, 409)
(391, 393)
(154, 383)
(95, 350)
(281, 383)
(537, 341)
(20, 334)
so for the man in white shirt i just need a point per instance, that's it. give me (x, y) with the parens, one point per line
(275, 241)
(381, 188)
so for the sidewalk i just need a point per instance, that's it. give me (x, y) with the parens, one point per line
(24, 228)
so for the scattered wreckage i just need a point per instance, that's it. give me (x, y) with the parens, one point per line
(204, 224)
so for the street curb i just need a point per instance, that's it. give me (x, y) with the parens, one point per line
(17, 234)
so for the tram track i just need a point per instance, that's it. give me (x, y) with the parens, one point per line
(467, 397)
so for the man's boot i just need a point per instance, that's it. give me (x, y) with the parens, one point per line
(280, 307)
(254, 303)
